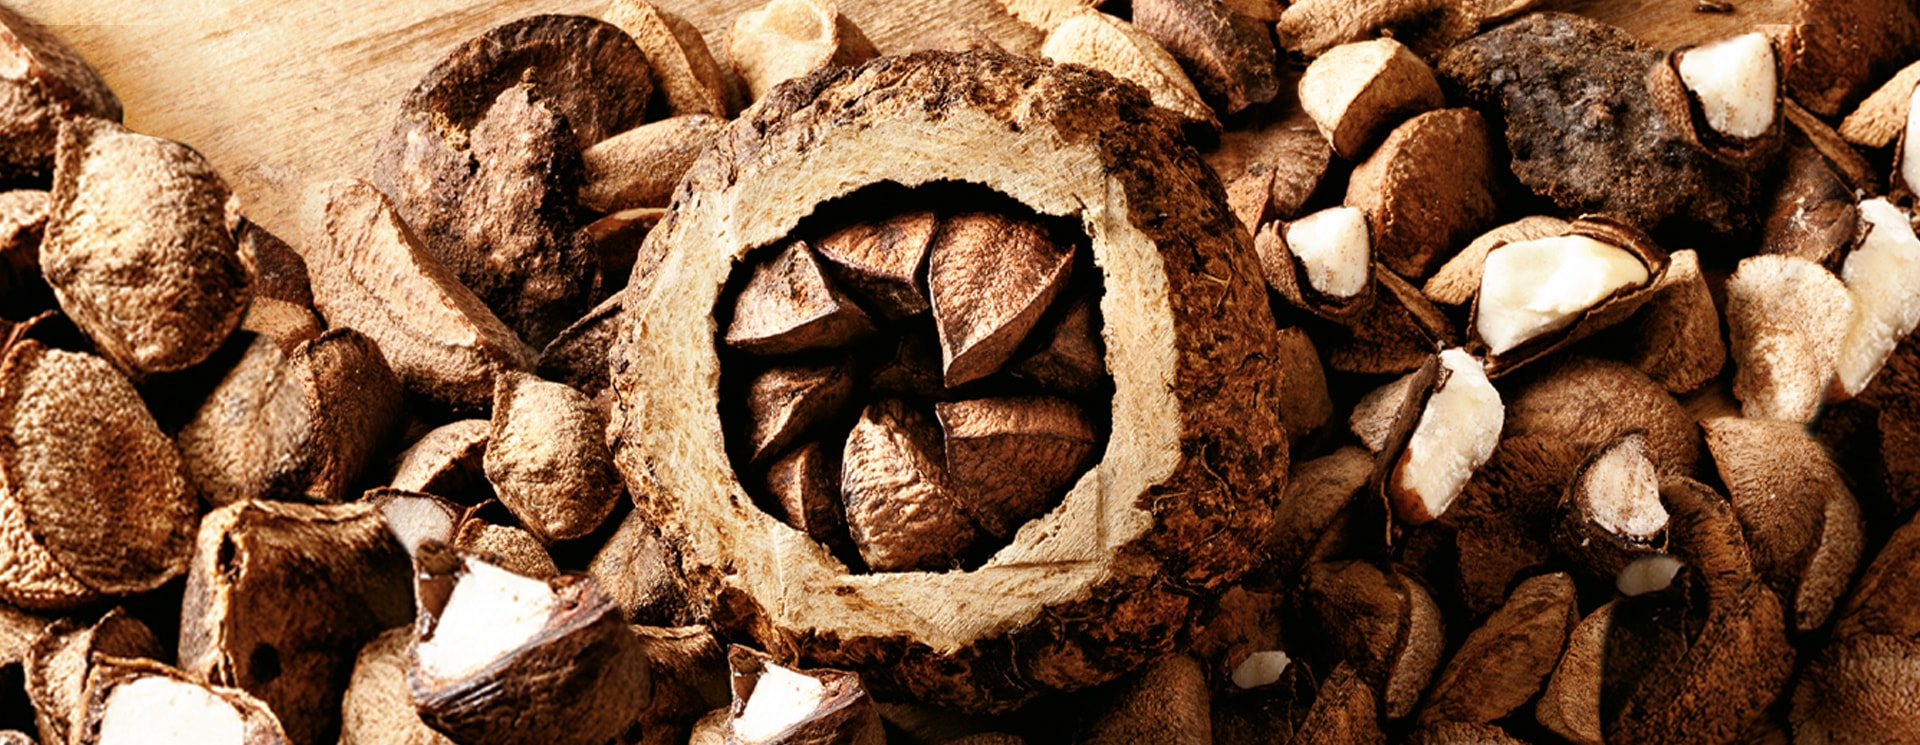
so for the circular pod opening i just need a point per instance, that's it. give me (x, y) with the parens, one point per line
(913, 374)
(1188, 454)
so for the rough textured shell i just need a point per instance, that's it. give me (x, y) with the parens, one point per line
(1179, 503)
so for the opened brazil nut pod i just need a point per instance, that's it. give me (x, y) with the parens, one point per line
(1177, 500)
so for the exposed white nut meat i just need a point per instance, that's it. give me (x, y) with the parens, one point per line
(492, 612)
(781, 699)
(1333, 247)
(1648, 574)
(1734, 81)
(158, 710)
(1532, 287)
(1260, 668)
(1456, 433)
(1883, 274)
(1624, 489)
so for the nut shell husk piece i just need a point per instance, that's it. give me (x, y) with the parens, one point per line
(1427, 189)
(1229, 56)
(258, 725)
(372, 274)
(1504, 662)
(1713, 684)
(1676, 334)
(1879, 118)
(1543, 70)
(137, 248)
(376, 709)
(685, 73)
(1786, 321)
(1181, 499)
(83, 465)
(581, 680)
(297, 426)
(1800, 521)
(639, 167)
(58, 662)
(448, 461)
(641, 572)
(1103, 42)
(45, 82)
(1165, 703)
(786, 39)
(1814, 215)
(1857, 687)
(547, 457)
(484, 160)
(279, 598)
(1382, 621)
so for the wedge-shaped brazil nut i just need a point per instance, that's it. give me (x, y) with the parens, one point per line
(137, 248)
(1180, 494)
(370, 273)
(83, 466)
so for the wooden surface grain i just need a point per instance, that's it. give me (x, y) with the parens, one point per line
(285, 94)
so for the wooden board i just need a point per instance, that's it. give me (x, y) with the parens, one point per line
(283, 95)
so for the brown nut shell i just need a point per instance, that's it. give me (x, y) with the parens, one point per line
(1086, 592)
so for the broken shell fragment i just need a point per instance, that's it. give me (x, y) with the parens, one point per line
(1358, 92)
(23, 221)
(371, 274)
(1426, 189)
(57, 663)
(1457, 427)
(778, 705)
(508, 660)
(1800, 521)
(1677, 339)
(1103, 42)
(639, 167)
(449, 461)
(1383, 622)
(786, 39)
(1229, 56)
(1883, 114)
(685, 73)
(1786, 320)
(376, 709)
(299, 426)
(1505, 661)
